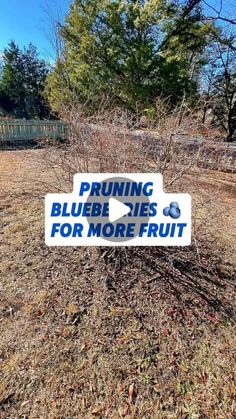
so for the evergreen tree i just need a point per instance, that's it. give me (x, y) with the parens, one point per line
(22, 82)
(11, 83)
(129, 51)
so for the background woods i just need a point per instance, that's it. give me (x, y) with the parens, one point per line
(129, 54)
(22, 82)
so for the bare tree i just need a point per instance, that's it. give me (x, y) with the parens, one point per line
(53, 19)
(222, 84)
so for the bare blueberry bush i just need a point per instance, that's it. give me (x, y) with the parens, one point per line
(112, 141)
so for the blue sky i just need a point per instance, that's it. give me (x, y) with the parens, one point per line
(27, 21)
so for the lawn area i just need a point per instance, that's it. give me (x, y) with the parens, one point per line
(92, 332)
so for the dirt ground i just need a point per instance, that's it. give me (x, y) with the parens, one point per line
(137, 333)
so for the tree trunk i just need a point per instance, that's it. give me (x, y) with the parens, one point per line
(232, 124)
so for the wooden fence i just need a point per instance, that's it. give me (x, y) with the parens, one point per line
(20, 130)
(216, 156)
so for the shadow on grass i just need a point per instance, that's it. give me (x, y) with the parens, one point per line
(184, 277)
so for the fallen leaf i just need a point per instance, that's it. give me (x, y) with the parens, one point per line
(24, 403)
(132, 392)
(96, 410)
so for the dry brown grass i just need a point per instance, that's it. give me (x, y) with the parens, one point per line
(87, 333)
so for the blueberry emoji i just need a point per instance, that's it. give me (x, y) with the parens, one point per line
(174, 212)
(166, 211)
